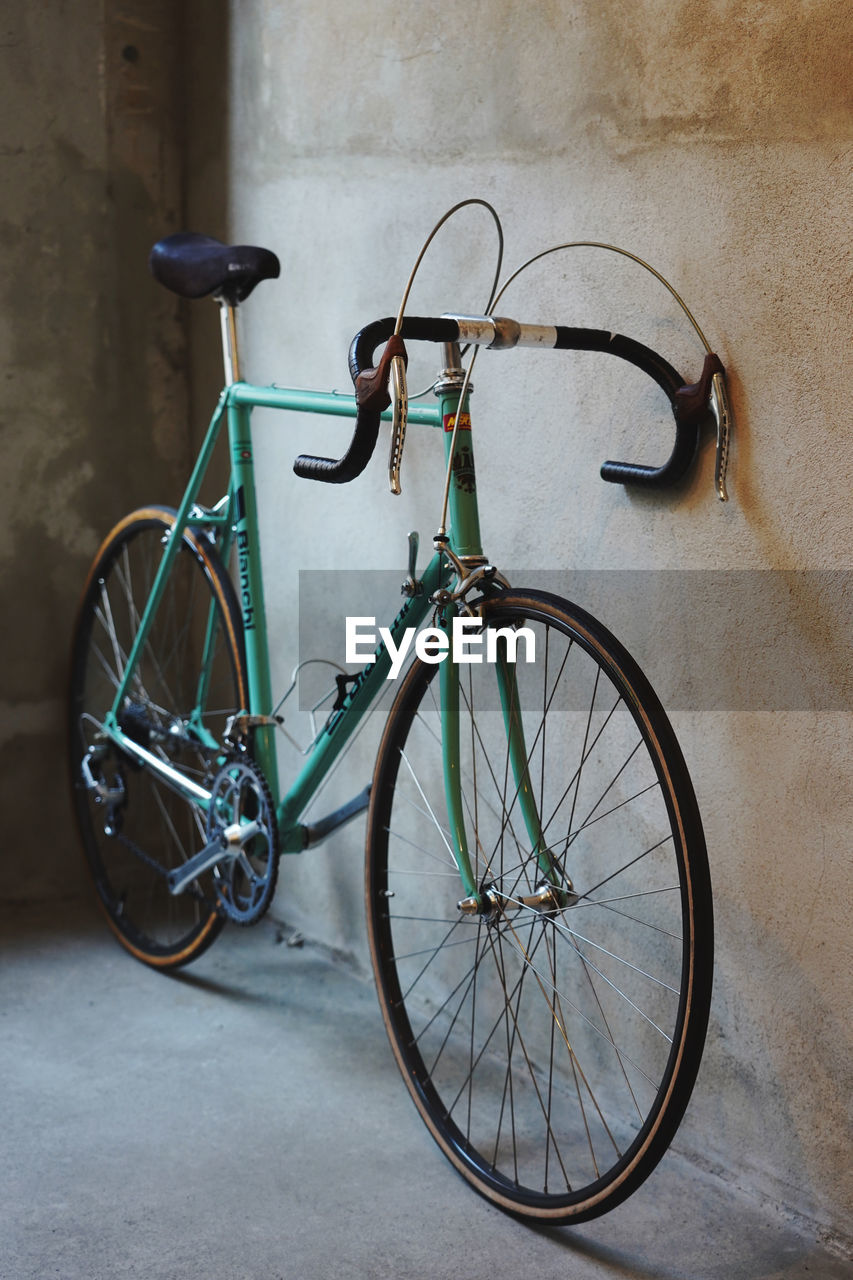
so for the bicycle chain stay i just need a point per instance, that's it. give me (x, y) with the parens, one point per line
(191, 891)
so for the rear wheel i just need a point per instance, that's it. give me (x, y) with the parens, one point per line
(550, 1038)
(134, 829)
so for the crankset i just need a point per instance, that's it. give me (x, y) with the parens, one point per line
(242, 848)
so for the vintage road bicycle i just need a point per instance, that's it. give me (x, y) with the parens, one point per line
(537, 886)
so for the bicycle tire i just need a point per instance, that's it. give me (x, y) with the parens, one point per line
(156, 829)
(553, 1084)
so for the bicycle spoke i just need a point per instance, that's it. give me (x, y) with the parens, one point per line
(646, 924)
(435, 821)
(645, 853)
(576, 1066)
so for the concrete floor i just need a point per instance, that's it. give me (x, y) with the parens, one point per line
(247, 1120)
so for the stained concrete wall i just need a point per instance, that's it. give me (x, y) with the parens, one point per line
(714, 140)
(94, 118)
(94, 388)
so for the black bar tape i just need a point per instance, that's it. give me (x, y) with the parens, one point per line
(687, 425)
(442, 329)
(667, 378)
(415, 329)
(366, 432)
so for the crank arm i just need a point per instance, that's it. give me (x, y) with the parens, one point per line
(226, 845)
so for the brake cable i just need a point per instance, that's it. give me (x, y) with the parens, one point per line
(398, 364)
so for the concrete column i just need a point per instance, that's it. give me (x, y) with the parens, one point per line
(92, 362)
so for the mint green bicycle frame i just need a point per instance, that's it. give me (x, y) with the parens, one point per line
(234, 521)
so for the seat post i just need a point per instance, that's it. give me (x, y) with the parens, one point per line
(230, 355)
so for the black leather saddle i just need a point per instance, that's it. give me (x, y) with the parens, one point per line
(194, 266)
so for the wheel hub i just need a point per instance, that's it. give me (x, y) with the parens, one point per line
(491, 902)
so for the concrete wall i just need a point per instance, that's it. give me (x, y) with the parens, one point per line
(715, 141)
(94, 385)
(94, 116)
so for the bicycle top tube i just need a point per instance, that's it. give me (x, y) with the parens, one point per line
(333, 403)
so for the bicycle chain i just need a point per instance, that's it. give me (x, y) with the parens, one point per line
(216, 905)
(190, 891)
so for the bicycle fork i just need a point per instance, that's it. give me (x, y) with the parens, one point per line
(554, 890)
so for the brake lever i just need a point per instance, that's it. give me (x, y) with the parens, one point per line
(709, 395)
(400, 418)
(719, 405)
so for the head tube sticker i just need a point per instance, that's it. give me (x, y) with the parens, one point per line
(464, 422)
(463, 468)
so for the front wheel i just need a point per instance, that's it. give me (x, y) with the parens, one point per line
(550, 1038)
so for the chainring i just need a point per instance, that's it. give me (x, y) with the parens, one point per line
(245, 881)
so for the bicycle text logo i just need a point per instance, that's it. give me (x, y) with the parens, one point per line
(464, 643)
(245, 592)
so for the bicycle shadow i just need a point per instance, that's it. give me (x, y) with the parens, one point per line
(684, 1223)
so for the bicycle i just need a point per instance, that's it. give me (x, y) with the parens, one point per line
(537, 886)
